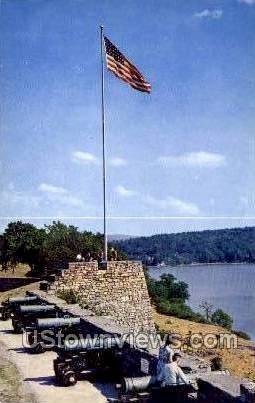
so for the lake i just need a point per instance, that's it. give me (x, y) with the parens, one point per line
(227, 286)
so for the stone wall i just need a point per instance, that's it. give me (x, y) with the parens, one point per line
(223, 388)
(120, 291)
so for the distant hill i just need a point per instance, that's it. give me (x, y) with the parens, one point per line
(212, 246)
(119, 237)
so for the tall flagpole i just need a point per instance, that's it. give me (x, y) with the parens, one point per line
(103, 139)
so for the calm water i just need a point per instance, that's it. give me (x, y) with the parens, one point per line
(230, 287)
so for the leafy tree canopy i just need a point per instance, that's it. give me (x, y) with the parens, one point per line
(51, 247)
(221, 318)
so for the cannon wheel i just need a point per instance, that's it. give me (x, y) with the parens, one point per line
(37, 348)
(5, 315)
(69, 378)
(30, 338)
(17, 326)
(59, 368)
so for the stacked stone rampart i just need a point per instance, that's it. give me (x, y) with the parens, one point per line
(119, 290)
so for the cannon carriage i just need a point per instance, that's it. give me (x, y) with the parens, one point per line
(55, 329)
(26, 315)
(91, 356)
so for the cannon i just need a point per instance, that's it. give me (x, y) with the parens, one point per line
(57, 323)
(148, 387)
(26, 315)
(90, 356)
(10, 305)
(138, 384)
(57, 328)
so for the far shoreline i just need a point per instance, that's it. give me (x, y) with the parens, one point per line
(200, 264)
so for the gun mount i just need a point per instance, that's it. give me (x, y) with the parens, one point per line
(26, 315)
(100, 356)
(57, 328)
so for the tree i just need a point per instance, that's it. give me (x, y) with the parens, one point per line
(207, 308)
(221, 318)
(22, 243)
(226, 245)
(64, 242)
(52, 247)
(3, 250)
(61, 245)
(167, 289)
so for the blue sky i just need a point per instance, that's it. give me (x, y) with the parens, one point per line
(179, 159)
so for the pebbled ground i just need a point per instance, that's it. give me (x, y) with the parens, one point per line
(27, 378)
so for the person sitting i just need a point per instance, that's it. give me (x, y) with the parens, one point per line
(172, 373)
(166, 353)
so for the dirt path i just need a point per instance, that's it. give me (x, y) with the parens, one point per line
(12, 389)
(36, 372)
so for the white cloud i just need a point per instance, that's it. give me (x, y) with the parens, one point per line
(117, 162)
(194, 159)
(82, 157)
(60, 195)
(176, 205)
(215, 14)
(16, 203)
(11, 197)
(124, 192)
(249, 2)
(69, 200)
(47, 188)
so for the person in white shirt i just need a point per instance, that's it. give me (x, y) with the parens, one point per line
(79, 257)
(172, 374)
(165, 356)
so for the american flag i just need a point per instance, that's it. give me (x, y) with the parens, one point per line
(124, 69)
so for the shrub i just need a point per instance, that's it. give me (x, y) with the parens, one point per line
(180, 310)
(221, 318)
(241, 334)
(167, 288)
(69, 296)
(217, 363)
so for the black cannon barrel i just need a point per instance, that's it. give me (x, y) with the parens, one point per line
(48, 323)
(22, 300)
(138, 384)
(23, 309)
(89, 343)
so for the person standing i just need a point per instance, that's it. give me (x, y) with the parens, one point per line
(166, 353)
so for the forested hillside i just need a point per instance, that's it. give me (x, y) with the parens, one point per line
(225, 245)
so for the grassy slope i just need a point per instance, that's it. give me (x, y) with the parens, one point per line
(18, 291)
(239, 361)
(21, 270)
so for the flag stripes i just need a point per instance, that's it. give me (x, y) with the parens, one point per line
(124, 69)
